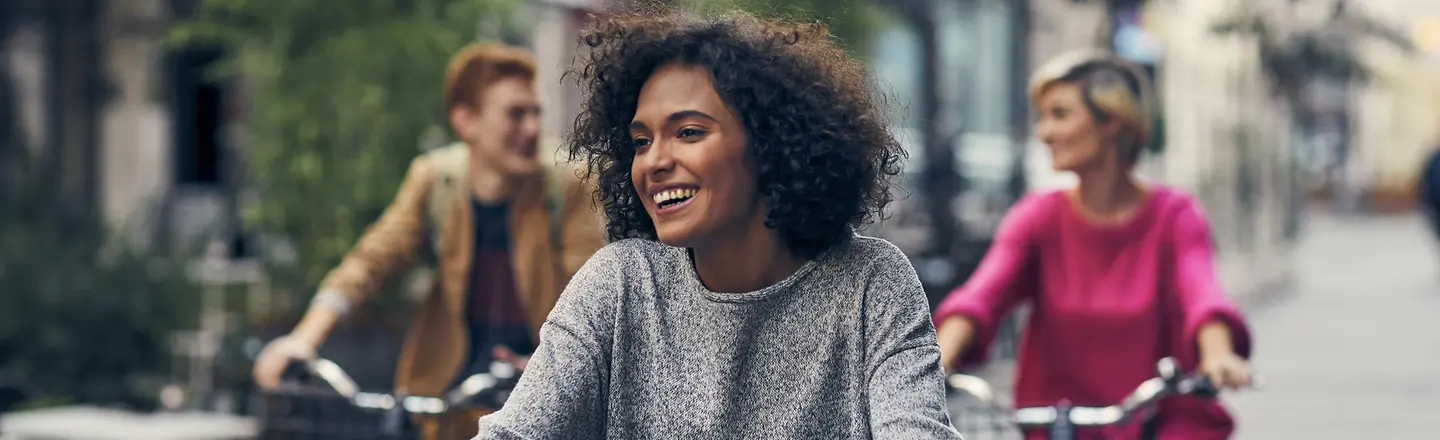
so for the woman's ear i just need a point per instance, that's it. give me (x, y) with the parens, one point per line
(1110, 127)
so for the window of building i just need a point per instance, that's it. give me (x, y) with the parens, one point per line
(197, 105)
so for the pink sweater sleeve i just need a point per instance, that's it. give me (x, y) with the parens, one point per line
(993, 289)
(1201, 298)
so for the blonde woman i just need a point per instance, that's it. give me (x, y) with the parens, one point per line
(1119, 271)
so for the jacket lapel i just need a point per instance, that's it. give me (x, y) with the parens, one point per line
(531, 251)
(458, 251)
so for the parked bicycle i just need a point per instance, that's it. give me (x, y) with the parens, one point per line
(1061, 421)
(319, 401)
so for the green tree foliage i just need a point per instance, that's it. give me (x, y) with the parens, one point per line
(338, 97)
(82, 319)
(852, 22)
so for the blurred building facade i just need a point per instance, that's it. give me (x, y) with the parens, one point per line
(130, 129)
(48, 55)
(1230, 140)
(138, 132)
(1396, 116)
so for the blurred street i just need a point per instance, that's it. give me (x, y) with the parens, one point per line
(1349, 352)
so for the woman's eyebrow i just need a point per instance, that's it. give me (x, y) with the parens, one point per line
(690, 113)
(637, 125)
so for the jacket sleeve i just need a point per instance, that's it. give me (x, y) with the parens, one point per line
(387, 246)
(994, 289)
(1201, 299)
(583, 227)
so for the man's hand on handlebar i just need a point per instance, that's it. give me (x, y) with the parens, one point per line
(278, 355)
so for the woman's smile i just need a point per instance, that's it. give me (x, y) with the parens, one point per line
(672, 199)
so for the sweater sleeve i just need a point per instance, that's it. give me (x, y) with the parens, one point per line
(906, 390)
(993, 290)
(562, 394)
(1201, 299)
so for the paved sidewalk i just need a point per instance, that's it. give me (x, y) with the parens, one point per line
(1353, 351)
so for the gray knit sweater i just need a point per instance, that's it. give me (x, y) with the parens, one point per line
(638, 348)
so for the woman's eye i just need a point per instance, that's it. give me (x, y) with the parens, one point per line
(691, 133)
(639, 143)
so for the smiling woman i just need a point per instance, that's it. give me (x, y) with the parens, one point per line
(811, 124)
(734, 158)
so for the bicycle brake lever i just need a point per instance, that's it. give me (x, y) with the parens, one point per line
(336, 377)
(972, 385)
(1200, 386)
(472, 386)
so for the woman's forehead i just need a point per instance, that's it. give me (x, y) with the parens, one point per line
(1059, 92)
(677, 88)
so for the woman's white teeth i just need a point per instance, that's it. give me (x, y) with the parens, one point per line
(674, 194)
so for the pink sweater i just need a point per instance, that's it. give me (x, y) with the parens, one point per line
(1107, 303)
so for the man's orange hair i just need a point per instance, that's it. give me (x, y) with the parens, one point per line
(479, 65)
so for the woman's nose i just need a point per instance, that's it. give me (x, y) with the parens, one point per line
(1045, 132)
(658, 159)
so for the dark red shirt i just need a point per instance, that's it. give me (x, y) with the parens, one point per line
(495, 316)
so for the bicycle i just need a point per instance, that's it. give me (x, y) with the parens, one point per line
(339, 409)
(1062, 420)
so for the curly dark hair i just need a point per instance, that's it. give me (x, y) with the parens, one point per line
(825, 159)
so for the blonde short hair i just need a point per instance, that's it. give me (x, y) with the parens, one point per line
(1110, 87)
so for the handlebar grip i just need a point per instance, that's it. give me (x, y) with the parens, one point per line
(1204, 387)
(296, 372)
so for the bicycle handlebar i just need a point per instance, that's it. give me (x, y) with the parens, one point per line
(502, 377)
(1168, 382)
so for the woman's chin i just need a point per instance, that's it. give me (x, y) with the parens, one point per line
(675, 237)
